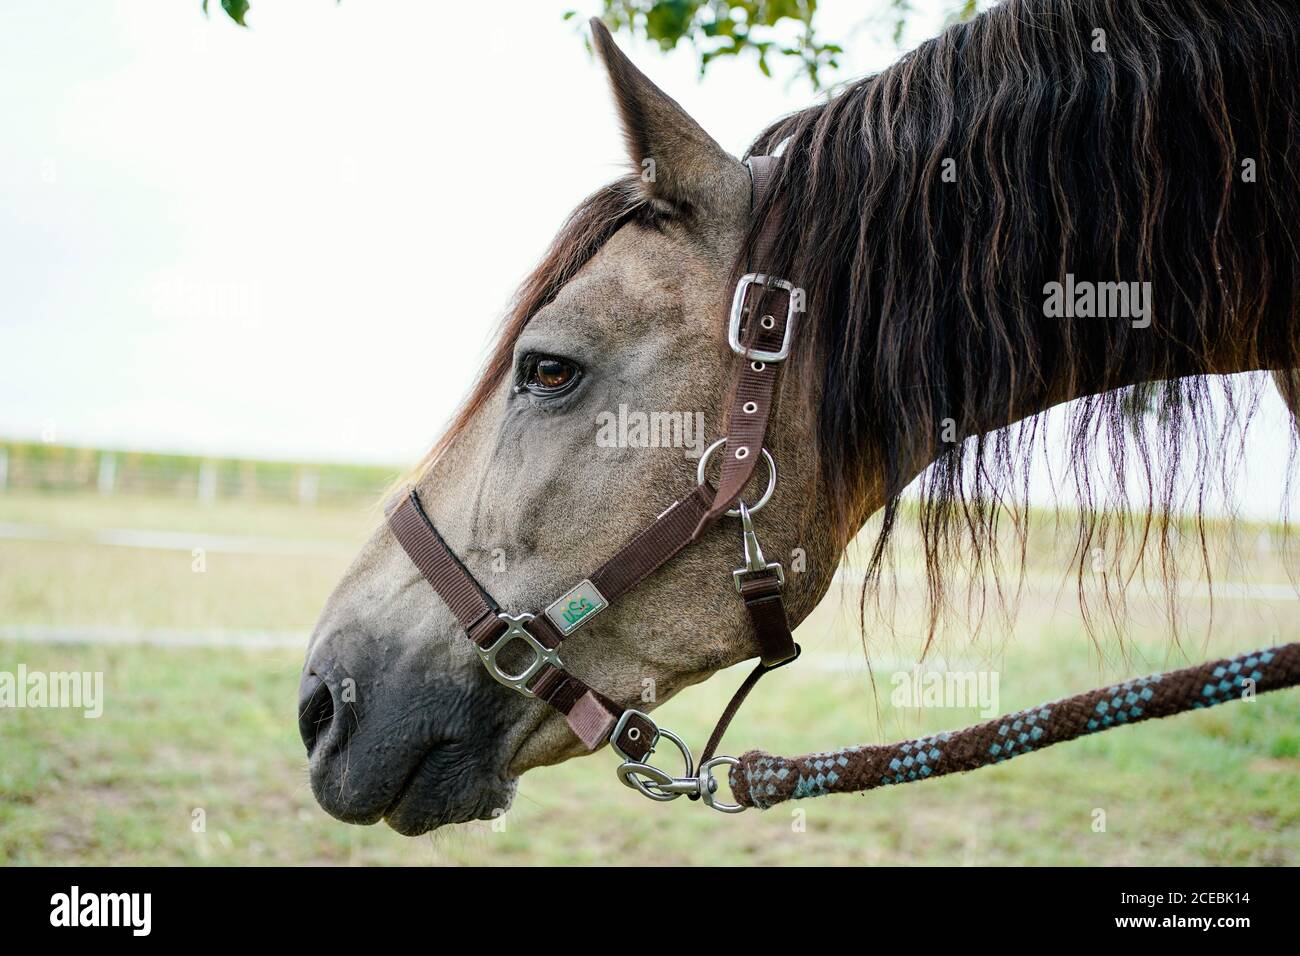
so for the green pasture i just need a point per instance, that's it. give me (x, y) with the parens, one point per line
(50, 467)
(213, 728)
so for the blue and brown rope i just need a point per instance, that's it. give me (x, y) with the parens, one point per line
(762, 780)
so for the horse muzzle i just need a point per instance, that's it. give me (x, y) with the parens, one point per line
(417, 755)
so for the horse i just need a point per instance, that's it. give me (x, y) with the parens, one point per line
(1055, 201)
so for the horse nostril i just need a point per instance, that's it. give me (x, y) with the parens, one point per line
(315, 709)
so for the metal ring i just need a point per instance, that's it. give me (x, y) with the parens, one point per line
(771, 477)
(749, 408)
(628, 772)
(708, 785)
(767, 322)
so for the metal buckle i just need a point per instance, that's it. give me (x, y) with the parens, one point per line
(737, 313)
(515, 630)
(618, 732)
(754, 561)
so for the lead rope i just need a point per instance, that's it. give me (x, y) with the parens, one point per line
(761, 780)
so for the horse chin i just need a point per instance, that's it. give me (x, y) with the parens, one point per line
(419, 809)
(445, 786)
(549, 743)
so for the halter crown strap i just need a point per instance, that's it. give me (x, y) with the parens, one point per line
(761, 329)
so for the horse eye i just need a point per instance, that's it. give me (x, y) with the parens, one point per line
(548, 375)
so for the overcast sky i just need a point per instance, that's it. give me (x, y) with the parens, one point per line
(218, 240)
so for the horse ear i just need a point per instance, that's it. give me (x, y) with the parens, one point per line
(681, 167)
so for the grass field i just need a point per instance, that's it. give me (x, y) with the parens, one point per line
(213, 729)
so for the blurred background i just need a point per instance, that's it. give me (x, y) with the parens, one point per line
(213, 228)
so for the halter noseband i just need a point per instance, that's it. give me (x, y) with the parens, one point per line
(593, 717)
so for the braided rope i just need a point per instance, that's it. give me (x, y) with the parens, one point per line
(762, 780)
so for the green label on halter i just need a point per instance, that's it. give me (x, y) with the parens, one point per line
(575, 607)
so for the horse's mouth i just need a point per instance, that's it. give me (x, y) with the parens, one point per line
(425, 801)
(417, 758)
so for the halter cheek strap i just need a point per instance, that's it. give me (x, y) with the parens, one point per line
(765, 344)
(761, 330)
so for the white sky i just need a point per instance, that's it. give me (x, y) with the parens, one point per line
(216, 240)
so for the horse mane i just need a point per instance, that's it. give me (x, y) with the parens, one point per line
(925, 296)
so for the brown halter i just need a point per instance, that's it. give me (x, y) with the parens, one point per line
(592, 716)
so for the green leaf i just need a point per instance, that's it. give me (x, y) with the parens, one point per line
(236, 10)
(726, 28)
(669, 20)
